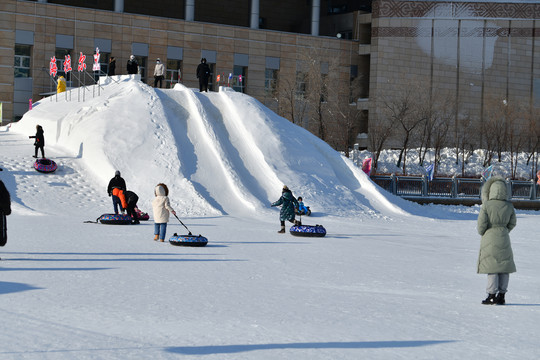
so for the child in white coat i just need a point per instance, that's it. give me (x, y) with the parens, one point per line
(161, 207)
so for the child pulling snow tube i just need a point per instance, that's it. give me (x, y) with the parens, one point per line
(45, 165)
(308, 230)
(188, 240)
(115, 219)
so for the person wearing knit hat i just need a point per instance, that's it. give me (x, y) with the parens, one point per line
(289, 204)
(117, 182)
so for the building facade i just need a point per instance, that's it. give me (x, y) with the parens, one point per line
(478, 53)
(250, 45)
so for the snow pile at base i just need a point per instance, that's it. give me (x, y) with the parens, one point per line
(219, 152)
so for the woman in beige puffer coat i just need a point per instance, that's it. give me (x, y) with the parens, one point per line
(161, 207)
(495, 220)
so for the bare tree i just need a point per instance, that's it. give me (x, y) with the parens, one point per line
(378, 135)
(405, 111)
(465, 140)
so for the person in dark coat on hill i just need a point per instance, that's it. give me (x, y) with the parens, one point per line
(5, 209)
(117, 182)
(131, 199)
(132, 65)
(289, 204)
(203, 73)
(496, 219)
(111, 71)
(40, 141)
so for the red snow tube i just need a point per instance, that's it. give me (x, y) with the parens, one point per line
(45, 165)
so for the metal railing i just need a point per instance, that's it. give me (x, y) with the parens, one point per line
(455, 187)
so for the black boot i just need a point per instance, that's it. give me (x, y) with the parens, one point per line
(490, 300)
(499, 300)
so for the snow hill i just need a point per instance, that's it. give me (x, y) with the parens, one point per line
(219, 152)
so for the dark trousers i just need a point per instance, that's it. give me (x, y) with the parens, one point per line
(3, 229)
(131, 210)
(203, 85)
(42, 151)
(158, 79)
(116, 203)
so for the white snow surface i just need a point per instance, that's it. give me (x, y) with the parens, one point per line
(391, 279)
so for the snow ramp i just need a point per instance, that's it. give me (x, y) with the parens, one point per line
(219, 152)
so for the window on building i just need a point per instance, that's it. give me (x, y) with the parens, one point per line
(301, 84)
(239, 78)
(23, 55)
(142, 60)
(324, 88)
(174, 73)
(270, 81)
(353, 84)
(212, 66)
(104, 63)
(60, 55)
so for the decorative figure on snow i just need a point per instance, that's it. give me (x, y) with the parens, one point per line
(53, 68)
(82, 64)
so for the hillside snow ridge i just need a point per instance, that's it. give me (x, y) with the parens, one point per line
(219, 152)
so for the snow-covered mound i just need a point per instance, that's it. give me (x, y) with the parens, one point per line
(219, 152)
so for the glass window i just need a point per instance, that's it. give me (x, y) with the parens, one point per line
(142, 60)
(270, 81)
(239, 79)
(301, 79)
(23, 55)
(174, 73)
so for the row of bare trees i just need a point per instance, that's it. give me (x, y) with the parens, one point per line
(417, 117)
(317, 97)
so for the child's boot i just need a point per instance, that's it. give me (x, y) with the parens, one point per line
(156, 237)
(282, 231)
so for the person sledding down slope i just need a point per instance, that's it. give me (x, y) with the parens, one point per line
(289, 204)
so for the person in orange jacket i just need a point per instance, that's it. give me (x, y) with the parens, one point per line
(123, 203)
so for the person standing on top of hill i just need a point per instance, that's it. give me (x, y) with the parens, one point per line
(111, 71)
(289, 204)
(117, 182)
(40, 141)
(159, 72)
(496, 219)
(132, 65)
(203, 73)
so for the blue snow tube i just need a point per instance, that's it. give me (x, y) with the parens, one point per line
(308, 230)
(45, 165)
(115, 219)
(188, 240)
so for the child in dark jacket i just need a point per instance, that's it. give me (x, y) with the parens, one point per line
(40, 141)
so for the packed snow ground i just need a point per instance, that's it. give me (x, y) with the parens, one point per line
(391, 280)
